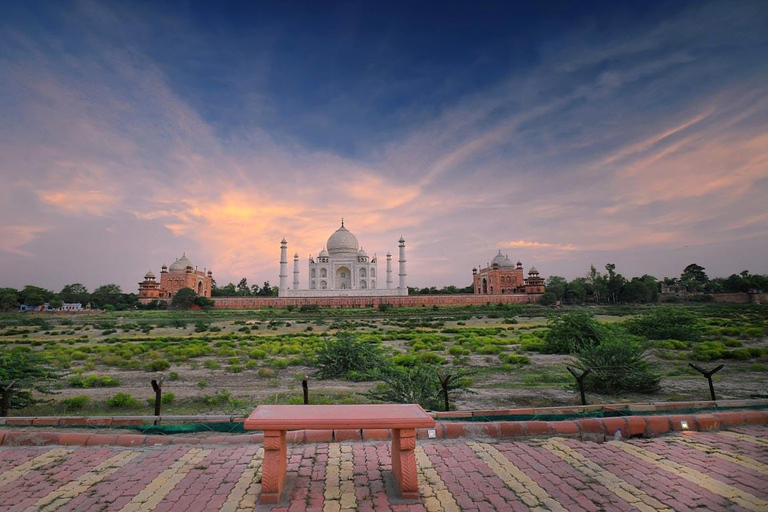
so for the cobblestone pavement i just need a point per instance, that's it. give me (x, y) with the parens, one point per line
(726, 470)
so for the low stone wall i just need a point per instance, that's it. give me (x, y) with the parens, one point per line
(367, 302)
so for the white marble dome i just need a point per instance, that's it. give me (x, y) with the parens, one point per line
(342, 242)
(181, 264)
(498, 259)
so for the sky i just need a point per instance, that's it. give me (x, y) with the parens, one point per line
(564, 134)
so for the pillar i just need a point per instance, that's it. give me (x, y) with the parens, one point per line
(296, 271)
(401, 261)
(283, 266)
(389, 270)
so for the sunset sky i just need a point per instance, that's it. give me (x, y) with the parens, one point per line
(634, 133)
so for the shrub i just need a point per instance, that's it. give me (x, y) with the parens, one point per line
(266, 373)
(514, 359)
(346, 357)
(76, 402)
(157, 365)
(667, 323)
(122, 400)
(418, 384)
(167, 398)
(617, 364)
(573, 332)
(220, 398)
(173, 376)
(92, 381)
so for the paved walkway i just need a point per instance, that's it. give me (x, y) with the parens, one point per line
(726, 470)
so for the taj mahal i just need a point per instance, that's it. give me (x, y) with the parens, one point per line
(342, 269)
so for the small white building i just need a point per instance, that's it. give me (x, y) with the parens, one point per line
(343, 269)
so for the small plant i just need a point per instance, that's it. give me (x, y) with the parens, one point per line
(122, 400)
(75, 403)
(347, 357)
(202, 384)
(418, 384)
(167, 398)
(92, 381)
(617, 364)
(157, 365)
(173, 376)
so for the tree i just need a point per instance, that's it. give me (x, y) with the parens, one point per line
(597, 284)
(242, 288)
(693, 277)
(75, 292)
(203, 302)
(108, 294)
(576, 292)
(184, 298)
(21, 372)
(557, 285)
(614, 282)
(9, 299)
(229, 290)
(34, 295)
(267, 290)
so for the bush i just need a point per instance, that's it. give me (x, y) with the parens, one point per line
(157, 365)
(122, 400)
(76, 402)
(667, 323)
(92, 381)
(167, 398)
(346, 357)
(418, 384)
(573, 332)
(617, 364)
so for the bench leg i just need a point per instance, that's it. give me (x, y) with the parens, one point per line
(273, 467)
(404, 462)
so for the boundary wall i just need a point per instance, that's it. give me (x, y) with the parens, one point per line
(367, 302)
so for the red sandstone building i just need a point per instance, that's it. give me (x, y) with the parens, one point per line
(181, 274)
(503, 277)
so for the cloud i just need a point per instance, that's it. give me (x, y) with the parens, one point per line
(13, 238)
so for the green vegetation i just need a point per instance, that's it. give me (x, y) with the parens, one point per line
(573, 332)
(618, 364)
(667, 323)
(347, 357)
(520, 352)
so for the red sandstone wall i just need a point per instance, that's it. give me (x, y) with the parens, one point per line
(362, 302)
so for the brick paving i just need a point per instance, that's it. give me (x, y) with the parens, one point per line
(725, 470)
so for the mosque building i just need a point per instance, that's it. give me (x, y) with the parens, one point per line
(502, 276)
(181, 274)
(342, 269)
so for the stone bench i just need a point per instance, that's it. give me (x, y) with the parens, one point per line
(275, 420)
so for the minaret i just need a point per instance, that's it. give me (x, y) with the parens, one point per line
(389, 270)
(296, 271)
(401, 261)
(283, 266)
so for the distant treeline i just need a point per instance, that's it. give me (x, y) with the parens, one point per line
(612, 287)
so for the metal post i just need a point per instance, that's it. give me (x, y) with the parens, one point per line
(708, 375)
(580, 380)
(305, 387)
(444, 384)
(157, 386)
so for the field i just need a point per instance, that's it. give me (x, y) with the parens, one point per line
(230, 361)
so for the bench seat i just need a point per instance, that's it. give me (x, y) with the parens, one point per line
(275, 420)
